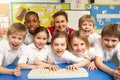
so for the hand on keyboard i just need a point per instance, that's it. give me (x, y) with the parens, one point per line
(72, 67)
(53, 67)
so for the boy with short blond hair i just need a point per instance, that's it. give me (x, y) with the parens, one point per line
(87, 25)
(12, 48)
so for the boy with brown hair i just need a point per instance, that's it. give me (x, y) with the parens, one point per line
(106, 47)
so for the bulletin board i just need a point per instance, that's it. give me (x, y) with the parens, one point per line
(104, 14)
(73, 17)
(44, 10)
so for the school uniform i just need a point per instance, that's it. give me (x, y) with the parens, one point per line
(9, 56)
(67, 57)
(92, 38)
(31, 53)
(28, 38)
(89, 54)
(105, 54)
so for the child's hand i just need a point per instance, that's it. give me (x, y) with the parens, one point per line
(91, 66)
(17, 71)
(72, 67)
(116, 74)
(53, 67)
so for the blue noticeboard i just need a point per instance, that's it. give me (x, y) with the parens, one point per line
(104, 14)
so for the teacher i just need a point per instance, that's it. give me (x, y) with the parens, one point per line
(60, 24)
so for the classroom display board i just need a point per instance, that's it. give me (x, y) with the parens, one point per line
(73, 17)
(44, 10)
(104, 14)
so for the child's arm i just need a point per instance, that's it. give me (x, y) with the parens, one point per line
(116, 74)
(28, 66)
(79, 64)
(46, 65)
(38, 62)
(15, 71)
(102, 66)
(91, 65)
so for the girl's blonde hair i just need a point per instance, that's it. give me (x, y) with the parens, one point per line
(79, 34)
(17, 28)
(111, 30)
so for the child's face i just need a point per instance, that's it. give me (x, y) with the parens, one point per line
(87, 28)
(59, 46)
(15, 40)
(78, 46)
(110, 42)
(32, 22)
(40, 39)
(60, 23)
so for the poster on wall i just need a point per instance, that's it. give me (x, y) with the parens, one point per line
(44, 10)
(104, 14)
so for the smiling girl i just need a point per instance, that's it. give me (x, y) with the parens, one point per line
(40, 38)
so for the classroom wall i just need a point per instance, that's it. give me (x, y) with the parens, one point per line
(75, 5)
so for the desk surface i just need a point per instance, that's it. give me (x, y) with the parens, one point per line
(93, 75)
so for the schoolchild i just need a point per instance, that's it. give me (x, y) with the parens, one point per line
(12, 48)
(31, 22)
(80, 47)
(38, 47)
(87, 25)
(108, 46)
